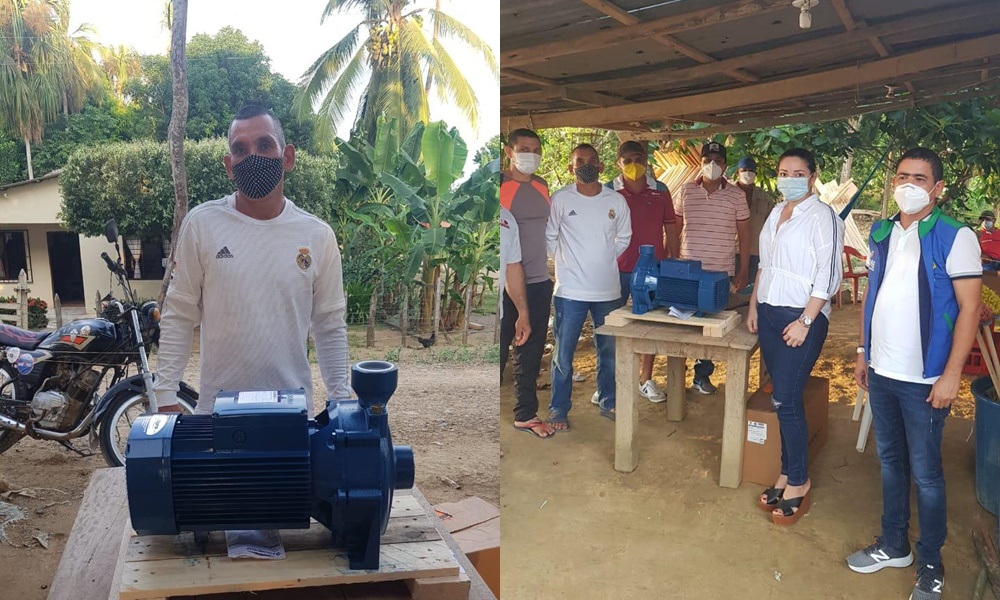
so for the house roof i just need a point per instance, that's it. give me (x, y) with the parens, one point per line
(652, 67)
(47, 176)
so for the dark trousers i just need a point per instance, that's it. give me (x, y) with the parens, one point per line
(528, 356)
(908, 438)
(790, 368)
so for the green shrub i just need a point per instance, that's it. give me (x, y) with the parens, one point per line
(37, 316)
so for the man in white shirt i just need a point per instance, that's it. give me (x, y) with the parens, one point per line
(258, 274)
(920, 318)
(588, 229)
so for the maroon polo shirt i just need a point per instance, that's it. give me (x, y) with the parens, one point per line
(651, 210)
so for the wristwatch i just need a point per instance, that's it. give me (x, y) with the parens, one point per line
(861, 349)
(805, 320)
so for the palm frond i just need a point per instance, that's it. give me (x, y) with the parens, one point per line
(336, 6)
(323, 73)
(450, 27)
(333, 110)
(449, 75)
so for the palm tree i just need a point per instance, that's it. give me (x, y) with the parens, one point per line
(121, 64)
(391, 55)
(43, 67)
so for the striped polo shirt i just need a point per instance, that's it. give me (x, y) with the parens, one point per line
(710, 224)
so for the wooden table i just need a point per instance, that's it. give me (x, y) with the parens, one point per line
(677, 343)
(87, 567)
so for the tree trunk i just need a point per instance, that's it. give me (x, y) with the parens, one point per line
(176, 131)
(27, 152)
(372, 310)
(845, 171)
(468, 308)
(887, 191)
(437, 305)
(404, 316)
(430, 276)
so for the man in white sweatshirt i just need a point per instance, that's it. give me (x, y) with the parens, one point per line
(258, 274)
(589, 228)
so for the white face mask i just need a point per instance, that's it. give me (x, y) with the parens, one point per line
(526, 162)
(911, 198)
(711, 171)
(747, 177)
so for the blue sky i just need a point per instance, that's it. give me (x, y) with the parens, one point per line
(292, 36)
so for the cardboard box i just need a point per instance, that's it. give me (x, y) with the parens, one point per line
(762, 439)
(475, 525)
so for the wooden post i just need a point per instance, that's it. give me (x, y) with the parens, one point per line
(21, 298)
(57, 308)
(496, 329)
(404, 315)
(97, 303)
(468, 308)
(887, 191)
(437, 305)
(372, 309)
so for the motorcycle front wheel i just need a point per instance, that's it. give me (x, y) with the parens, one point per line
(118, 418)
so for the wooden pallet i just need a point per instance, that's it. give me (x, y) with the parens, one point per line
(412, 551)
(717, 325)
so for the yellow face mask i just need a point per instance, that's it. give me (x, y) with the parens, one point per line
(634, 171)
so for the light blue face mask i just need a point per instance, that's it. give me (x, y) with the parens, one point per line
(793, 188)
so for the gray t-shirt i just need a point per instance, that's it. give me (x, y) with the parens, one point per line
(529, 203)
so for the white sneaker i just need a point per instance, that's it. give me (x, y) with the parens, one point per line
(651, 391)
(596, 398)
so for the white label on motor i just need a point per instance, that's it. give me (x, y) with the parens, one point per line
(155, 423)
(650, 280)
(255, 397)
(756, 432)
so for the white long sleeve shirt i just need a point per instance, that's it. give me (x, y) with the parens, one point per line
(257, 288)
(803, 258)
(586, 235)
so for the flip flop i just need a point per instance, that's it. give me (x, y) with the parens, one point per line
(527, 428)
(554, 422)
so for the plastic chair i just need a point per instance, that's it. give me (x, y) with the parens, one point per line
(851, 274)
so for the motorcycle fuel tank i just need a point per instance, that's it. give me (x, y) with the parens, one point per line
(90, 335)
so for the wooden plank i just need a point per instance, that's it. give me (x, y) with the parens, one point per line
(306, 568)
(166, 547)
(714, 326)
(676, 387)
(87, 566)
(440, 588)
(668, 336)
(116, 578)
(626, 413)
(526, 55)
(801, 86)
(731, 469)
(656, 76)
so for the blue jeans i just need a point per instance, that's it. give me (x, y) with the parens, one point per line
(908, 438)
(566, 329)
(790, 368)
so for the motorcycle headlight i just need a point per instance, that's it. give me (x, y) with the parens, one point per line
(155, 315)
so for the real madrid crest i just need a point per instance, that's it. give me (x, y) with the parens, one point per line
(303, 259)
(611, 213)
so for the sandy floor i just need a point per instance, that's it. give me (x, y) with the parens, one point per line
(446, 412)
(575, 528)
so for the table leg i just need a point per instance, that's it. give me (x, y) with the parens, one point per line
(731, 470)
(676, 389)
(626, 415)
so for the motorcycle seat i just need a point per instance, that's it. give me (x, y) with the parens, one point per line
(16, 337)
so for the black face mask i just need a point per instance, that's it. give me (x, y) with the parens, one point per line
(587, 173)
(256, 176)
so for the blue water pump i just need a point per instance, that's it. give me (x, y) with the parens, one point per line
(678, 283)
(258, 462)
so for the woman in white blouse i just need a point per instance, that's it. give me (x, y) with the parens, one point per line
(800, 270)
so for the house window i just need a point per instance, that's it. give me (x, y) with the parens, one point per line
(150, 255)
(14, 255)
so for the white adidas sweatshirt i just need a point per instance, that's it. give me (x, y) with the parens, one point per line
(585, 235)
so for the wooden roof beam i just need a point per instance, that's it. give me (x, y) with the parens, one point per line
(850, 23)
(615, 12)
(860, 34)
(798, 87)
(605, 39)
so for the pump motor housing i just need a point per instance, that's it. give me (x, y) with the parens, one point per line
(259, 462)
(676, 283)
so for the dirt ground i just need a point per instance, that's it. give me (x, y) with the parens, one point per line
(573, 527)
(443, 408)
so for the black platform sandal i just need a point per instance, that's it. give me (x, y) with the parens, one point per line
(791, 510)
(773, 496)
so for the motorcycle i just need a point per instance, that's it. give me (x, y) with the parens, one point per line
(76, 381)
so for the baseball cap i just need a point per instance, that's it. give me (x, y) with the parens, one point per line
(747, 163)
(713, 147)
(632, 146)
(987, 214)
